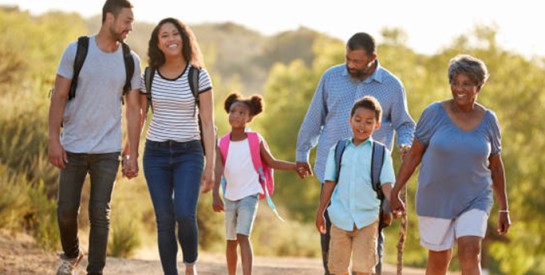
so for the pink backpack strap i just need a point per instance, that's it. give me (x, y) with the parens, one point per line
(263, 170)
(255, 151)
(224, 147)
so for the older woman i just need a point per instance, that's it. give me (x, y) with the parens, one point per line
(458, 142)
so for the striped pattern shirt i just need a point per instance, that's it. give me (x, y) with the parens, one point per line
(327, 118)
(175, 116)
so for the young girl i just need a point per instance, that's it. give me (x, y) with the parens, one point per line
(242, 181)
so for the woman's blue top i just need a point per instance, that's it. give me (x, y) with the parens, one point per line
(454, 174)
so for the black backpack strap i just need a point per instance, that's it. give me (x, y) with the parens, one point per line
(379, 153)
(149, 73)
(377, 160)
(81, 54)
(193, 77)
(339, 150)
(129, 68)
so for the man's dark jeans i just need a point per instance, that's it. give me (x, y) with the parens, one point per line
(102, 169)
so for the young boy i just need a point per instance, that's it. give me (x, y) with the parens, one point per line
(354, 207)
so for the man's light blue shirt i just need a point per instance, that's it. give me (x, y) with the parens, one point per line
(354, 201)
(327, 119)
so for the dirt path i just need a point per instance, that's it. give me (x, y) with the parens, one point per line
(20, 256)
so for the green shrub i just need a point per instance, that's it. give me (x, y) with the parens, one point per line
(25, 207)
(42, 218)
(124, 239)
(272, 237)
(14, 202)
(211, 225)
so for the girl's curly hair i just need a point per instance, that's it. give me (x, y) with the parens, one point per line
(254, 102)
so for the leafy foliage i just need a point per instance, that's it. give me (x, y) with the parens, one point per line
(515, 95)
(125, 237)
(286, 72)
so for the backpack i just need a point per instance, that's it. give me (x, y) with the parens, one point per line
(265, 172)
(81, 54)
(193, 76)
(377, 160)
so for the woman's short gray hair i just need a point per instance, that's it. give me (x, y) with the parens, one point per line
(470, 66)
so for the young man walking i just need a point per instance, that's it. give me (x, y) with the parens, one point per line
(91, 136)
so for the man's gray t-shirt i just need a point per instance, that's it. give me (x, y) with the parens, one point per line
(454, 175)
(92, 119)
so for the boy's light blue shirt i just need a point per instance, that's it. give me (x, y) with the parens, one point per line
(354, 202)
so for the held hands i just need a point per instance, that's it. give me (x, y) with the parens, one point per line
(403, 150)
(303, 169)
(129, 167)
(129, 164)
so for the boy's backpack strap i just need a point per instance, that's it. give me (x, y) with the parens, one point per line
(339, 150)
(149, 73)
(377, 160)
(81, 54)
(193, 75)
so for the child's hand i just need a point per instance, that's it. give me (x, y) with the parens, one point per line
(320, 222)
(303, 169)
(217, 203)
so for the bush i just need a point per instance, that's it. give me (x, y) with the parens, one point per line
(272, 237)
(42, 218)
(211, 225)
(14, 203)
(26, 207)
(125, 239)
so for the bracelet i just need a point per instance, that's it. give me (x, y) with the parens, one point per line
(503, 211)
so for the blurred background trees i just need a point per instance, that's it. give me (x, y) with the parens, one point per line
(284, 68)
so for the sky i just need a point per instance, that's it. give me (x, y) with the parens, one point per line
(430, 25)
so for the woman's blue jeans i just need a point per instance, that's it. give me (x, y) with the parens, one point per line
(173, 171)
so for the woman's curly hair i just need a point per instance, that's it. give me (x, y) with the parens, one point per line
(190, 48)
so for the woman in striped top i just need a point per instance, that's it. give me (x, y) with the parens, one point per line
(174, 161)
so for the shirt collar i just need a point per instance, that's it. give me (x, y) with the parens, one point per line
(376, 76)
(368, 141)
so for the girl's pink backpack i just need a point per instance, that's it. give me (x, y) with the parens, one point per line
(266, 173)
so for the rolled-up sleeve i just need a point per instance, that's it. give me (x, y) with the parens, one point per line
(312, 124)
